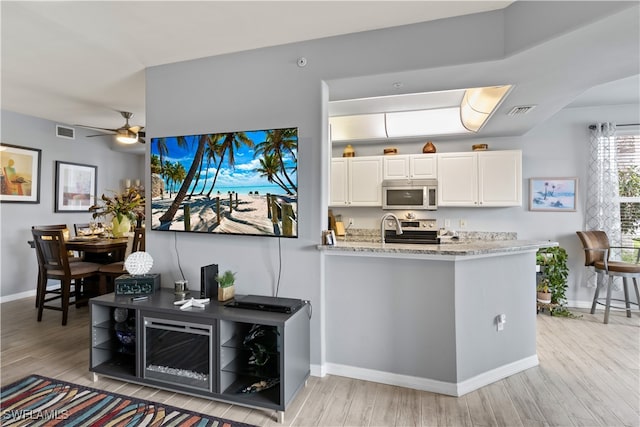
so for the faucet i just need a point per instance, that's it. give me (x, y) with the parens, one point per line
(398, 226)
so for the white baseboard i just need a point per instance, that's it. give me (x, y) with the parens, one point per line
(391, 379)
(318, 370)
(496, 374)
(578, 304)
(599, 307)
(425, 384)
(20, 295)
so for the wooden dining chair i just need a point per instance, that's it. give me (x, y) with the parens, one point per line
(53, 263)
(73, 258)
(109, 272)
(597, 253)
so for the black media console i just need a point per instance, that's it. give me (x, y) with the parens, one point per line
(249, 357)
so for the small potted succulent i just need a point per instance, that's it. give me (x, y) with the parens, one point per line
(226, 285)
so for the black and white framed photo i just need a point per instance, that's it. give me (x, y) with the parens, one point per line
(76, 186)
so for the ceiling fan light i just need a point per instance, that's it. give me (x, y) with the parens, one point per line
(126, 136)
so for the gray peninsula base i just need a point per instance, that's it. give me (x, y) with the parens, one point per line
(425, 316)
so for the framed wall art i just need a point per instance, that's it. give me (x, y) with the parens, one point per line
(553, 194)
(76, 186)
(19, 174)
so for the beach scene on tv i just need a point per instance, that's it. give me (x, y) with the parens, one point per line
(230, 183)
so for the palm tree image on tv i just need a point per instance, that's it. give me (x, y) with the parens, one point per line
(231, 183)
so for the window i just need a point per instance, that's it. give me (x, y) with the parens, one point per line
(628, 153)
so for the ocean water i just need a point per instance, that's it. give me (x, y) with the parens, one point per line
(244, 190)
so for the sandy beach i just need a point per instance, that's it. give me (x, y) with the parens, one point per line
(250, 216)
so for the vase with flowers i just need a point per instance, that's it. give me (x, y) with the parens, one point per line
(124, 208)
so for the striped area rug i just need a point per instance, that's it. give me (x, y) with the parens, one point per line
(37, 400)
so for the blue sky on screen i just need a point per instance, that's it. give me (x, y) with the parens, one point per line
(244, 173)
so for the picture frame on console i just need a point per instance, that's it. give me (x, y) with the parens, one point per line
(19, 174)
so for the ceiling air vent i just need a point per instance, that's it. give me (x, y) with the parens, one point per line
(65, 132)
(518, 111)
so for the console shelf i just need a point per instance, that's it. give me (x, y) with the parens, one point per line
(231, 349)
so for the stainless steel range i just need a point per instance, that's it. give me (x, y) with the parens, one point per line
(419, 231)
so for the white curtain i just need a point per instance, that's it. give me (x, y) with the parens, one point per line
(602, 203)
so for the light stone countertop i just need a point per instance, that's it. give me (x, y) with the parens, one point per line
(448, 251)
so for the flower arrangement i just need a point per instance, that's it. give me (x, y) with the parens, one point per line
(128, 204)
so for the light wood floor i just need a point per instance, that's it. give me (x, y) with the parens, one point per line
(588, 376)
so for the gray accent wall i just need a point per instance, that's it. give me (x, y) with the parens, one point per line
(19, 265)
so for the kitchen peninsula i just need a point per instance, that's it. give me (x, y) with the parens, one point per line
(426, 316)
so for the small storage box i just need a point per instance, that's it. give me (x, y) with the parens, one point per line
(141, 284)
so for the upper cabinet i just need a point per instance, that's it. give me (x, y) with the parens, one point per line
(485, 178)
(410, 166)
(356, 181)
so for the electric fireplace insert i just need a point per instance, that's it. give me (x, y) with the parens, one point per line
(178, 352)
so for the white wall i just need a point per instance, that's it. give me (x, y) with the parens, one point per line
(18, 260)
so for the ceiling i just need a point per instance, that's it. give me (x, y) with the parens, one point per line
(82, 62)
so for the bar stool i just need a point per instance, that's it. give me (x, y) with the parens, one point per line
(596, 253)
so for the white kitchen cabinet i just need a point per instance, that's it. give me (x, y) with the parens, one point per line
(356, 181)
(487, 178)
(410, 166)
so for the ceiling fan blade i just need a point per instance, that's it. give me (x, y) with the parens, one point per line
(98, 128)
(101, 134)
(141, 140)
(135, 129)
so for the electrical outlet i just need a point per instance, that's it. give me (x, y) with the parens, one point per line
(501, 319)
(463, 223)
(447, 223)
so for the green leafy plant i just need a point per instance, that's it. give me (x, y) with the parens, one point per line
(553, 265)
(553, 262)
(130, 203)
(227, 279)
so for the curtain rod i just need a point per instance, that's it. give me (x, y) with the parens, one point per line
(592, 127)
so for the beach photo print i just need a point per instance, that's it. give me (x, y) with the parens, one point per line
(553, 194)
(229, 183)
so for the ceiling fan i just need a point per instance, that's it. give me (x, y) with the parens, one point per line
(126, 134)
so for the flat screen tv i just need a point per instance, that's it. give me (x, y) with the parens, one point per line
(227, 183)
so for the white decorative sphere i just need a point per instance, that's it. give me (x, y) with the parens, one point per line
(138, 263)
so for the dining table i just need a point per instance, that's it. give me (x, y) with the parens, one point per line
(103, 250)
(99, 249)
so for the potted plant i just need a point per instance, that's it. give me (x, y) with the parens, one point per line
(124, 208)
(554, 270)
(543, 291)
(226, 285)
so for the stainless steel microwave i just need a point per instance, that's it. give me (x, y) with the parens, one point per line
(417, 194)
